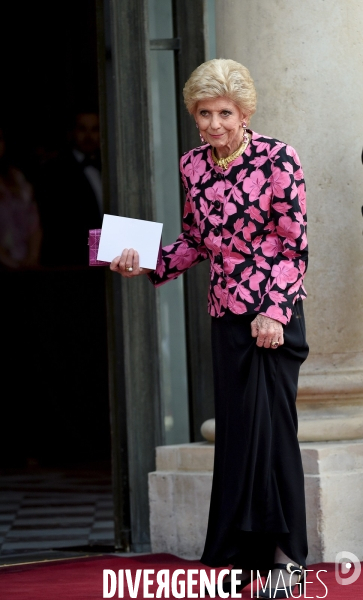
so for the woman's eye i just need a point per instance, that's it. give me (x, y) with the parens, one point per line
(226, 113)
(203, 113)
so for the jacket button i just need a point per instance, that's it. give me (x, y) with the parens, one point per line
(218, 259)
(217, 204)
(223, 284)
(217, 231)
(219, 176)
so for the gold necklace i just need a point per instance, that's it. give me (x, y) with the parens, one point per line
(224, 162)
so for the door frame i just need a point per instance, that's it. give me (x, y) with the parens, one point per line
(136, 411)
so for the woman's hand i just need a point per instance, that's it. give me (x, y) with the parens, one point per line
(269, 332)
(128, 264)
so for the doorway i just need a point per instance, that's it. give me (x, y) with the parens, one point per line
(53, 314)
(55, 436)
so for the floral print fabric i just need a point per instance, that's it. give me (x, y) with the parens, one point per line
(250, 221)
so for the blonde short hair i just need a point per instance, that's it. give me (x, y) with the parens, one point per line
(221, 77)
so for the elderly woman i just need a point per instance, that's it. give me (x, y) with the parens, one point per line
(245, 212)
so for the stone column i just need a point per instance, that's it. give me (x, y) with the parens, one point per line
(307, 63)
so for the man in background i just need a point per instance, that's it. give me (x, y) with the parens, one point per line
(69, 194)
(67, 315)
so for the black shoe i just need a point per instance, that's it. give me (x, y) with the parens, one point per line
(280, 592)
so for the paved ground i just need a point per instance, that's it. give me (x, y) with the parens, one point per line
(52, 510)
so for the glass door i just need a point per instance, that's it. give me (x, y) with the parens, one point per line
(174, 380)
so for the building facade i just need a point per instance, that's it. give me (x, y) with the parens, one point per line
(306, 62)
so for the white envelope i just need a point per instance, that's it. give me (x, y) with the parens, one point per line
(119, 233)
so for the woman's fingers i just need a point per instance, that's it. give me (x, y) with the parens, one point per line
(127, 264)
(264, 338)
(118, 263)
(129, 260)
(276, 337)
(136, 264)
(123, 260)
(115, 263)
(267, 338)
(254, 328)
(269, 332)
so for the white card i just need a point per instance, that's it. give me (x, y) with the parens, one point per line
(119, 233)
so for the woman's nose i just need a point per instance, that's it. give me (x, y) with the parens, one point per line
(215, 124)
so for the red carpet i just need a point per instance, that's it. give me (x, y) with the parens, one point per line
(82, 579)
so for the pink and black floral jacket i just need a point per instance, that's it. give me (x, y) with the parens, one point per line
(250, 221)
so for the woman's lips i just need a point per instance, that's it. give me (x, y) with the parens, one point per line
(216, 136)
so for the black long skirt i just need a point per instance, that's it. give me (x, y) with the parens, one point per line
(258, 499)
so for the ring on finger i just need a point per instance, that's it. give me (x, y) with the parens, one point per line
(274, 344)
(129, 269)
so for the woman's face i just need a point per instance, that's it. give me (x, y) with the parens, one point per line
(220, 123)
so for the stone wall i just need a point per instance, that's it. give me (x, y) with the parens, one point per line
(179, 493)
(307, 62)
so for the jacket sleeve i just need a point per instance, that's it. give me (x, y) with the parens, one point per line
(187, 251)
(288, 226)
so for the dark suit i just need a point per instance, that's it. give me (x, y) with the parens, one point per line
(68, 209)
